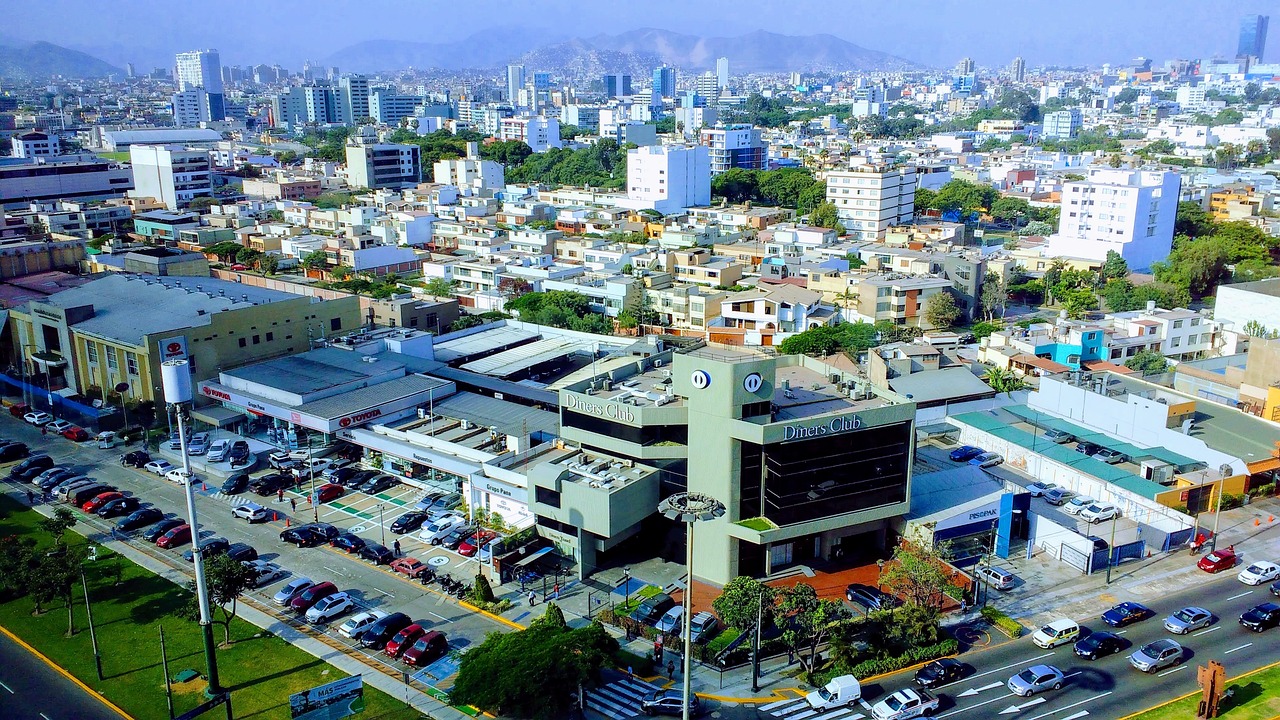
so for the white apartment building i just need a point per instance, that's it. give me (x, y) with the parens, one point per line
(188, 108)
(1190, 97)
(1063, 124)
(1183, 334)
(668, 178)
(470, 172)
(1129, 211)
(539, 133)
(353, 99)
(376, 165)
(735, 146)
(171, 174)
(201, 71)
(34, 144)
(872, 198)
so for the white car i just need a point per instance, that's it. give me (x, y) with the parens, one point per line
(38, 418)
(180, 476)
(1098, 512)
(334, 467)
(253, 512)
(57, 426)
(198, 444)
(1077, 503)
(330, 607)
(306, 468)
(159, 467)
(1037, 489)
(1259, 572)
(437, 528)
(265, 572)
(358, 623)
(218, 450)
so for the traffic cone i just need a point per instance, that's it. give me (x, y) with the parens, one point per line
(204, 488)
(1271, 518)
(1256, 522)
(286, 522)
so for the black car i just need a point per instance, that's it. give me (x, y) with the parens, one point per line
(1099, 644)
(209, 548)
(409, 522)
(1261, 617)
(140, 518)
(269, 484)
(160, 528)
(326, 531)
(868, 597)
(13, 451)
(242, 552)
(941, 672)
(342, 476)
(1087, 448)
(1275, 588)
(381, 632)
(360, 477)
(376, 554)
(302, 536)
(236, 484)
(55, 471)
(118, 507)
(239, 453)
(1127, 613)
(378, 484)
(348, 542)
(455, 538)
(137, 458)
(55, 479)
(31, 467)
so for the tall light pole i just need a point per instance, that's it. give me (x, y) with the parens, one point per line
(311, 468)
(689, 508)
(175, 375)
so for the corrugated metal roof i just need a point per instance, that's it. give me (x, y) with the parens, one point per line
(943, 384)
(510, 362)
(481, 342)
(510, 418)
(372, 396)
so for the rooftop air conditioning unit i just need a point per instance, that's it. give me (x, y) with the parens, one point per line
(422, 413)
(657, 362)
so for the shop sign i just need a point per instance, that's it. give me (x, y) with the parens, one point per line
(174, 348)
(835, 426)
(612, 410)
(359, 417)
(984, 514)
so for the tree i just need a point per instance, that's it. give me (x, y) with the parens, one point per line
(826, 216)
(341, 272)
(511, 286)
(1078, 301)
(248, 256)
(226, 579)
(994, 295)
(315, 260)
(809, 620)
(202, 204)
(17, 558)
(552, 617)
(1114, 266)
(1192, 220)
(508, 152)
(829, 339)
(269, 263)
(54, 578)
(964, 197)
(743, 600)
(1004, 381)
(481, 592)
(984, 329)
(1038, 228)
(920, 575)
(225, 250)
(940, 310)
(439, 287)
(58, 525)
(1147, 362)
(1010, 209)
(735, 185)
(925, 199)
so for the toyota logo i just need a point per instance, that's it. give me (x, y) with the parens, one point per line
(701, 379)
(174, 347)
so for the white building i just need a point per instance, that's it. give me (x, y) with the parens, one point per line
(515, 81)
(1063, 124)
(170, 174)
(1129, 211)
(201, 70)
(353, 99)
(722, 72)
(375, 165)
(1190, 97)
(470, 172)
(669, 178)
(539, 133)
(735, 146)
(871, 198)
(189, 108)
(34, 144)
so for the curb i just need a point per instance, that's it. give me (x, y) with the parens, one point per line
(1193, 694)
(491, 616)
(62, 671)
(776, 696)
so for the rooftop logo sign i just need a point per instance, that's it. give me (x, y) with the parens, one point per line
(613, 410)
(701, 379)
(835, 426)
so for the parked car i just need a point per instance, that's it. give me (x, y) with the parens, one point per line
(995, 577)
(290, 591)
(456, 536)
(325, 531)
(139, 519)
(285, 459)
(157, 531)
(1218, 560)
(243, 552)
(117, 507)
(940, 672)
(38, 418)
(409, 567)
(1058, 496)
(986, 460)
(264, 573)
(378, 484)
(408, 522)
(1040, 488)
(868, 597)
(1087, 448)
(57, 426)
(18, 410)
(100, 499)
(65, 491)
(378, 634)
(327, 492)
(76, 433)
(1077, 503)
(359, 478)
(1127, 613)
(301, 536)
(29, 468)
(1261, 617)
(1188, 619)
(208, 548)
(136, 458)
(308, 467)
(159, 467)
(177, 537)
(357, 624)
(669, 702)
(445, 503)
(670, 622)
(87, 493)
(376, 553)
(403, 639)
(652, 608)
(841, 691)
(1109, 456)
(59, 471)
(348, 542)
(1054, 435)
(239, 453)
(56, 482)
(342, 475)
(471, 545)
(1098, 644)
(703, 626)
(1036, 679)
(1098, 512)
(330, 607)
(218, 450)
(13, 451)
(335, 464)
(1058, 632)
(180, 476)
(435, 530)
(428, 648)
(965, 453)
(1259, 572)
(312, 595)
(235, 484)
(1156, 655)
(175, 440)
(198, 444)
(267, 485)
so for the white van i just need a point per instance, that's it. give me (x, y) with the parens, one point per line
(840, 692)
(1058, 632)
(995, 577)
(106, 439)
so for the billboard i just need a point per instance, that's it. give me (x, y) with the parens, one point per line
(338, 699)
(174, 348)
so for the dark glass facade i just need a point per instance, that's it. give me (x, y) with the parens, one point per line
(648, 435)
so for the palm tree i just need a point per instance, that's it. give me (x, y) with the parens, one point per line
(1004, 381)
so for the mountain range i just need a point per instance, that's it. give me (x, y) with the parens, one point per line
(26, 60)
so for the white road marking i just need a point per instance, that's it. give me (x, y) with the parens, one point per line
(1080, 714)
(6, 687)
(1121, 632)
(46, 717)
(974, 691)
(766, 708)
(335, 572)
(1228, 652)
(984, 702)
(1023, 706)
(445, 619)
(1246, 592)
(1017, 664)
(1206, 632)
(1170, 672)
(384, 592)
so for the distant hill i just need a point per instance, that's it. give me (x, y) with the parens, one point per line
(488, 49)
(41, 59)
(759, 51)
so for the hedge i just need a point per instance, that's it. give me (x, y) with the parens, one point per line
(1003, 622)
(880, 666)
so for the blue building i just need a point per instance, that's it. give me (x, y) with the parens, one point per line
(664, 82)
(1253, 36)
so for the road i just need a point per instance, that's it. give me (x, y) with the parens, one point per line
(31, 690)
(372, 587)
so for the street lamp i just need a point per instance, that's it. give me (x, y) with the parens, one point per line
(311, 468)
(626, 584)
(689, 508)
(382, 528)
(879, 574)
(176, 378)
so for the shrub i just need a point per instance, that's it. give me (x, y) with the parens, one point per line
(1002, 622)
(882, 665)
(481, 592)
(1231, 502)
(1263, 490)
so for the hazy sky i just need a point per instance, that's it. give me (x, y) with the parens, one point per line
(935, 32)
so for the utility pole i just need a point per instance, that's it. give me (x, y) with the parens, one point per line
(93, 635)
(755, 643)
(164, 665)
(1111, 547)
(311, 468)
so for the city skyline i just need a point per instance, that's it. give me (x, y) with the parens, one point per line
(957, 29)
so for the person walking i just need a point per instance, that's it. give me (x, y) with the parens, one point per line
(555, 592)
(671, 669)
(279, 494)
(293, 504)
(44, 429)
(533, 598)
(31, 498)
(395, 547)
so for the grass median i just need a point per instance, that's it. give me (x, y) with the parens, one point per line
(129, 605)
(1255, 696)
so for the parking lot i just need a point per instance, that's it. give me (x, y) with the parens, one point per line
(369, 516)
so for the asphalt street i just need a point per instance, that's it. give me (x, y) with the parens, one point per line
(31, 690)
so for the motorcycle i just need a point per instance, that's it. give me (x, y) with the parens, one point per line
(427, 577)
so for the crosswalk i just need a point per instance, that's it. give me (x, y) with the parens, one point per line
(800, 710)
(620, 700)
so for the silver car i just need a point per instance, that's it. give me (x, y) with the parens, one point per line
(218, 450)
(287, 592)
(1037, 678)
(1188, 619)
(1156, 655)
(198, 444)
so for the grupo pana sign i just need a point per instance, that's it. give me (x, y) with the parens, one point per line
(832, 427)
(612, 410)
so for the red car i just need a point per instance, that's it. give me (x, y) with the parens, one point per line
(75, 432)
(403, 640)
(19, 409)
(176, 537)
(329, 491)
(100, 500)
(411, 567)
(429, 648)
(472, 544)
(1218, 560)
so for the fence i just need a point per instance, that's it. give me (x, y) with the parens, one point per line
(62, 407)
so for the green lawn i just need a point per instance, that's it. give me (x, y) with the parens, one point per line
(261, 670)
(629, 606)
(1256, 697)
(117, 156)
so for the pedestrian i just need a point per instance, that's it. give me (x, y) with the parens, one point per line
(964, 606)
(396, 547)
(555, 592)
(44, 430)
(279, 494)
(293, 504)
(533, 598)
(297, 482)
(31, 498)
(671, 669)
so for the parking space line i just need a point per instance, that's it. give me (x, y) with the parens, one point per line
(1170, 672)
(442, 618)
(1228, 652)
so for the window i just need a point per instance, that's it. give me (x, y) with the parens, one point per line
(243, 343)
(257, 339)
(546, 496)
(131, 363)
(113, 362)
(1175, 342)
(1177, 324)
(335, 324)
(92, 351)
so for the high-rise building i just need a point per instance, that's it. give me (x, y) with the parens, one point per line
(353, 99)
(129, 71)
(722, 72)
(869, 199)
(202, 70)
(389, 108)
(1063, 124)
(541, 81)
(189, 107)
(617, 85)
(1253, 37)
(664, 83)
(376, 165)
(965, 66)
(669, 178)
(539, 133)
(171, 174)
(1129, 211)
(734, 146)
(707, 85)
(1018, 70)
(515, 81)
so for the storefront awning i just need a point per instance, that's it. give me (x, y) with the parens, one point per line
(217, 415)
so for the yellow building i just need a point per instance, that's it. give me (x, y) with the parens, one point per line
(1237, 202)
(120, 328)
